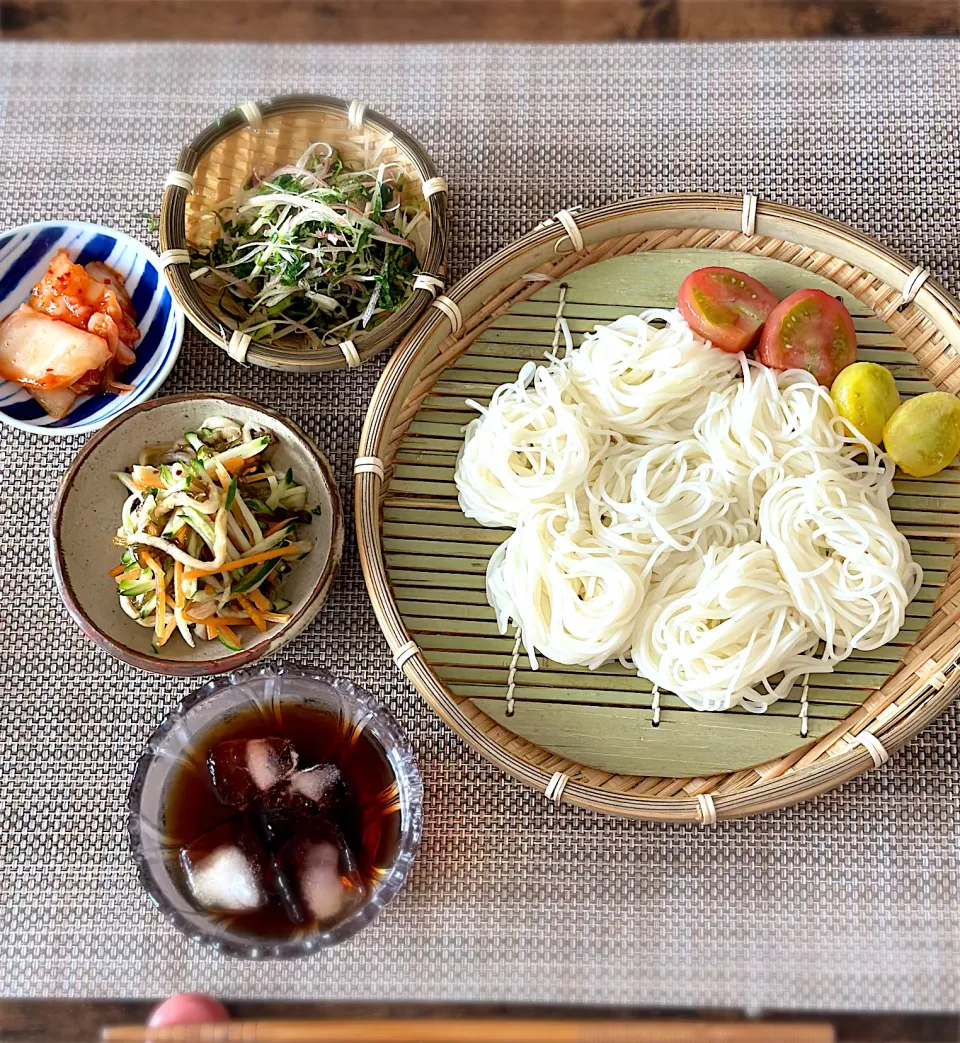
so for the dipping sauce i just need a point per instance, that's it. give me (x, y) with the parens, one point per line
(283, 819)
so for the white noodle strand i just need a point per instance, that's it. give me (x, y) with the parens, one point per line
(707, 518)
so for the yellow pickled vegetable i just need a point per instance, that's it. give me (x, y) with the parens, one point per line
(865, 393)
(923, 435)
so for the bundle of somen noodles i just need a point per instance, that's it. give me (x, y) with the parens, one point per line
(692, 511)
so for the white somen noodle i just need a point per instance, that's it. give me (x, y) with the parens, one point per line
(709, 518)
(715, 628)
(849, 570)
(575, 602)
(530, 446)
(639, 376)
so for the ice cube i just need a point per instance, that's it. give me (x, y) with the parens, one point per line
(328, 881)
(223, 868)
(320, 788)
(242, 769)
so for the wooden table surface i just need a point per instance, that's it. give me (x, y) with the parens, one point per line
(66, 1021)
(518, 20)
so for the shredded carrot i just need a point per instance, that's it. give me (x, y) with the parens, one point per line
(260, 476)
(178, 583)
(234, 465)
(170, 627)
(157, 570)
(154, 481)
(216, 621)
(242, 563)
(262, 603)
(277, 526)
(277, 617)
(211, 632)
(224, 629)
(117, 570)
(207, 589)
(258, 620)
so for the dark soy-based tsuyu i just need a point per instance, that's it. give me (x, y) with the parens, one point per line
(367, 815)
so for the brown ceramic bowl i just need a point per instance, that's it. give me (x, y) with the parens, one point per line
(86, 515)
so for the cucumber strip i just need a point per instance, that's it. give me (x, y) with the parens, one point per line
(257, 505)
(278, 492)
(279, 604)
(148, 606)
(248, 517)
(194, 441)
(177, 521)
(228, 643)
(201, 526)
(133, 588)
(256, 576)
(241, 452)
(231, 493)
(274, 539)
(295, 500)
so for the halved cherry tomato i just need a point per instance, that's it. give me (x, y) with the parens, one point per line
(809, 330)
(725, 306)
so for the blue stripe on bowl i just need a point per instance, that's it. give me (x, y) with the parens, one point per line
(35, 251)
(24, 254)
(23, 410)
(98, 248)
(145, 290)
(7, 242)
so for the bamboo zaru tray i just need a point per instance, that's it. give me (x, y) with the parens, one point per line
(589, 737)
(263, 136)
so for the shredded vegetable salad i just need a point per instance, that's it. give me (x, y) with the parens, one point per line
(209, 530)
(314, 249)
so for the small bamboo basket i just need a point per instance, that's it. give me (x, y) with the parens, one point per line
(601, 739)
(267, 135)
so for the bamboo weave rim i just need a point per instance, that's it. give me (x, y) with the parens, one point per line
(929, 325)
(266, 135)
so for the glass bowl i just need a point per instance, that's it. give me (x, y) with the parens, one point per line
(212, 706)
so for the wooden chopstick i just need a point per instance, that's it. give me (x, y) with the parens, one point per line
(481, 1030)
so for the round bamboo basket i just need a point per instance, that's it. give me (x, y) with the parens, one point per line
(594, 739)
(266, 135)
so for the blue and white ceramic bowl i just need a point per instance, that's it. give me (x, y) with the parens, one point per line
(25, 253)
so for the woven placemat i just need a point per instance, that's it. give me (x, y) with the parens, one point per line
(850, 901)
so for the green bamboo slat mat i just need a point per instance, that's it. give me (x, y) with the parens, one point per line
(436, 558)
